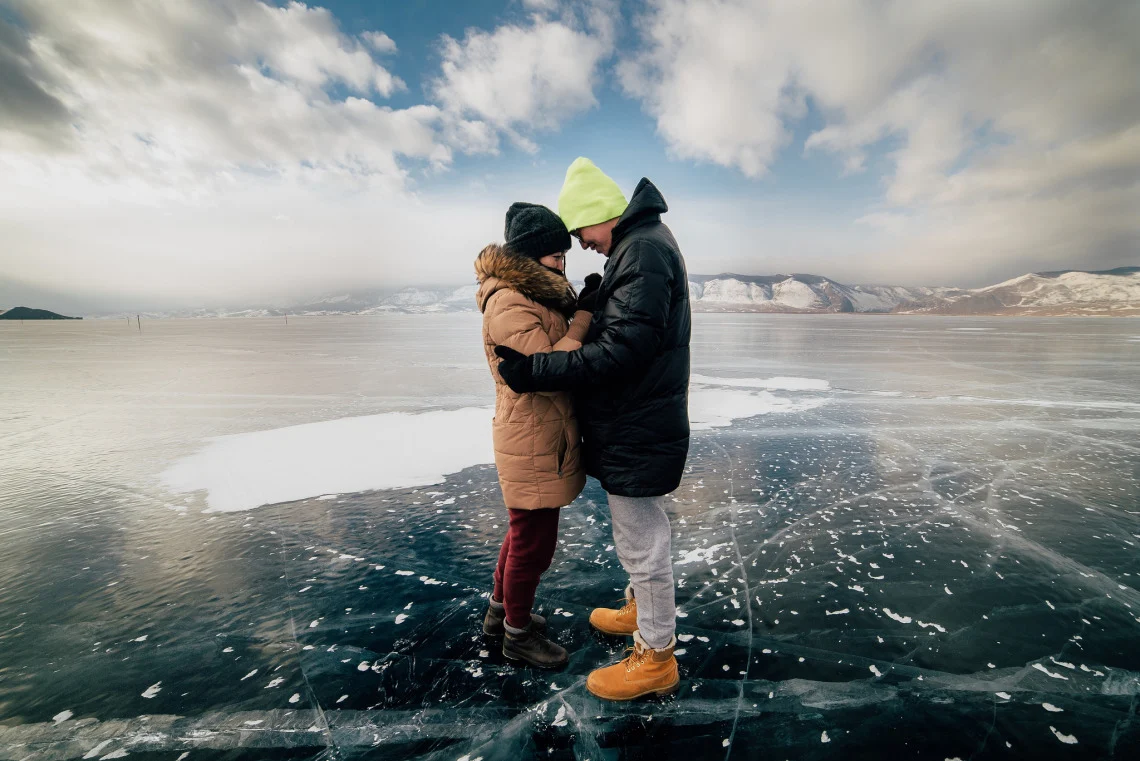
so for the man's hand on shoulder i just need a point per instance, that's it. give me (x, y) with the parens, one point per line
(516, 369)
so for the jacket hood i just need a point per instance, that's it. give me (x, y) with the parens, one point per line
(645, 205)
(496, 268)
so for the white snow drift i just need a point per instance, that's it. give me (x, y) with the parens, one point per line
(402, 450)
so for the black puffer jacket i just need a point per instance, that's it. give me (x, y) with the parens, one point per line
(631, 378)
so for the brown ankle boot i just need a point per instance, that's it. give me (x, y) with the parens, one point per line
(644, 672)
(534, 648)
(496, 615)
(621, 622)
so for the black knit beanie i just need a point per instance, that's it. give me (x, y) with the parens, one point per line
(535, 231)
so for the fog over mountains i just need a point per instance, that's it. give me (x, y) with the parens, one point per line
(1066, 293)
(1111, 292)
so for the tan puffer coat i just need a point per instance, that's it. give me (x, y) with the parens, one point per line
(537, 451)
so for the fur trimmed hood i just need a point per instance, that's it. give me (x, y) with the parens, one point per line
(497, 268)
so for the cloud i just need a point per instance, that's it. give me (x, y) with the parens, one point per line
(28, 113)
(1010, 129)
(172, 99)
(527, 76)
(228, 151)
(380, 42)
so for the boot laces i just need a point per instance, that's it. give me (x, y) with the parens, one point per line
(627, 608)
(636, 657)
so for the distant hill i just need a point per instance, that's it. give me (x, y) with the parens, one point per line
(1063, 293)
(26, 313)
(1113, 292)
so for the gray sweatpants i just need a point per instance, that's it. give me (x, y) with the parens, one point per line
(642, 540)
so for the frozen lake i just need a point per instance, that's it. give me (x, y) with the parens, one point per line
(909, 537)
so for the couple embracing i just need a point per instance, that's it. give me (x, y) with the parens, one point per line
(591, 383)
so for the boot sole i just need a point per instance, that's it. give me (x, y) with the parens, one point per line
(660, 692)
(517, 660)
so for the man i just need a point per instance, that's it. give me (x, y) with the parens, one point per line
(631, 384)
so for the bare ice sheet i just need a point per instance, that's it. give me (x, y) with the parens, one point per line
(930, 550)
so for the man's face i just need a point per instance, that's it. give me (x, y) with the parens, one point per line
(596, 237)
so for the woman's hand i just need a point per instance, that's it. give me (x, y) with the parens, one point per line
(588, 298)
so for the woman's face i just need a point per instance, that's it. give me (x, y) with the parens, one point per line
(554, 261)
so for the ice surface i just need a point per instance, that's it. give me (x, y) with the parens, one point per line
(772, 384)
(398, 449)
(814, 550)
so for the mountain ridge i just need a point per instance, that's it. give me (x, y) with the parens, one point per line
(1113, 292)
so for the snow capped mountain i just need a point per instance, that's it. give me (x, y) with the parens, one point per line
(1112, 292)
(404, 301)
(800, 294)
(1069, 292)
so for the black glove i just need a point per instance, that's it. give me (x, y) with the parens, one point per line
(588, 298)
(516, 369)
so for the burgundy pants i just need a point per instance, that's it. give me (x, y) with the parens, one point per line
(526, 553)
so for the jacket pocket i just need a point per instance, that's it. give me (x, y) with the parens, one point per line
(563, 449)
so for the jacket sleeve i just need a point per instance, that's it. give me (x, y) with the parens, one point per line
(576, 335)
(635, 317)
(517, 322)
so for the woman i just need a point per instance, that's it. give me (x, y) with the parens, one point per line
(527, 304)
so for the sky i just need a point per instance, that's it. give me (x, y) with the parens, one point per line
(227, 152)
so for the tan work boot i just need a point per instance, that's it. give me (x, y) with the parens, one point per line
(644, 672)
(621, 622)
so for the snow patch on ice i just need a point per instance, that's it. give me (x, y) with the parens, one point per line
(897, 617)
(718, 407)
(153, 690)
(1067, 739)
(925, 625)
(401, 449)
(1047, 672)
(387, 451)
(698, 554)
(779, 383)
(98, 748)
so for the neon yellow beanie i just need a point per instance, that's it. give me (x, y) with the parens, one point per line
(588, 196)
